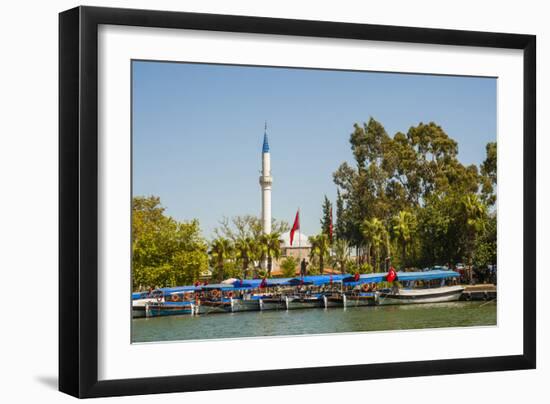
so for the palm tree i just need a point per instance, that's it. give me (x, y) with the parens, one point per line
(244, 253)
(474, 213)
(270, 248)
(404, 225)
(375, 235)
(320, 248)
(341, 253)
(221, 250)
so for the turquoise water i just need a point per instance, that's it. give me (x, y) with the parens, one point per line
(313, 321)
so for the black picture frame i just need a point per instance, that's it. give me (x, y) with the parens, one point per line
(78, 200)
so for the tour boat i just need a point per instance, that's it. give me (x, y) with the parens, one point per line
(424, 295)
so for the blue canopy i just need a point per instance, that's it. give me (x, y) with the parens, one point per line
(348, 279)
(426, 275)
(401, 276)
(164, 291)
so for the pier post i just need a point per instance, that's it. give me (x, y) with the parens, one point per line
(325, 300)
(261, 304)
(286, 302)
(344, 300)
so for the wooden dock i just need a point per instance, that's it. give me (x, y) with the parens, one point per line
(479, 292)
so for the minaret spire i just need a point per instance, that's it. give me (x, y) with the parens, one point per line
(265, 148)
(265, 183)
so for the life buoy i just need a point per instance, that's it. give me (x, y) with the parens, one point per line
(230, 295)
(373, 287)
(187, 296)
(365, 287)
(158, 295)
(175, 298)
(215, 293)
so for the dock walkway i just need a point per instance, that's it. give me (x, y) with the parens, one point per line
(479, 292)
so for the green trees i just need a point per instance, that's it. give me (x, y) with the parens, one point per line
(244, 252)
(375, 235)
(403, 230)
(320, 250)
(164, 252)
(222, 253)
(326, 219)
(288, 266)
(271, 249)
(341, 255)
(406, 193)
(473, 216)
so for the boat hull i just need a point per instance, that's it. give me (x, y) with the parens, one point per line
(334, 301)
(294, 303)
(363, 299)
(168, 309)
(212, 307)
(416, 296)
(272, 304)
(246, 305)
(139, 306)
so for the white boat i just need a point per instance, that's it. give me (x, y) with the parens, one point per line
(427, 295)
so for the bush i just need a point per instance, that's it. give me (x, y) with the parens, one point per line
(288, 266)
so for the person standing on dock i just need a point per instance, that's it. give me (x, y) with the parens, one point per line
(303, 268)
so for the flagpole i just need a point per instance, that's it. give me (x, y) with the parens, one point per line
(299, 239)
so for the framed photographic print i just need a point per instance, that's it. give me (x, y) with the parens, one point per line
(250, 201)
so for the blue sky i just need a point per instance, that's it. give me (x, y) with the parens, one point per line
(198, 131)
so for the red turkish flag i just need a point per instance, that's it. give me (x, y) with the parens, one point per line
(263, 284)
(391, 275)
(295, 226)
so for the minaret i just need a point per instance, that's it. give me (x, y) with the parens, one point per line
(265, 182)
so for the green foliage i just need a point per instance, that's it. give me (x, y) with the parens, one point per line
(320, 250)
(326, 219)
(365, 268)
(341, 255)
(222, 258)
(489, 174)
(247, 226)
(409, 193)
(270, 248)
(289, 266)
(340, 227)
(375, 235)
(164, 252)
